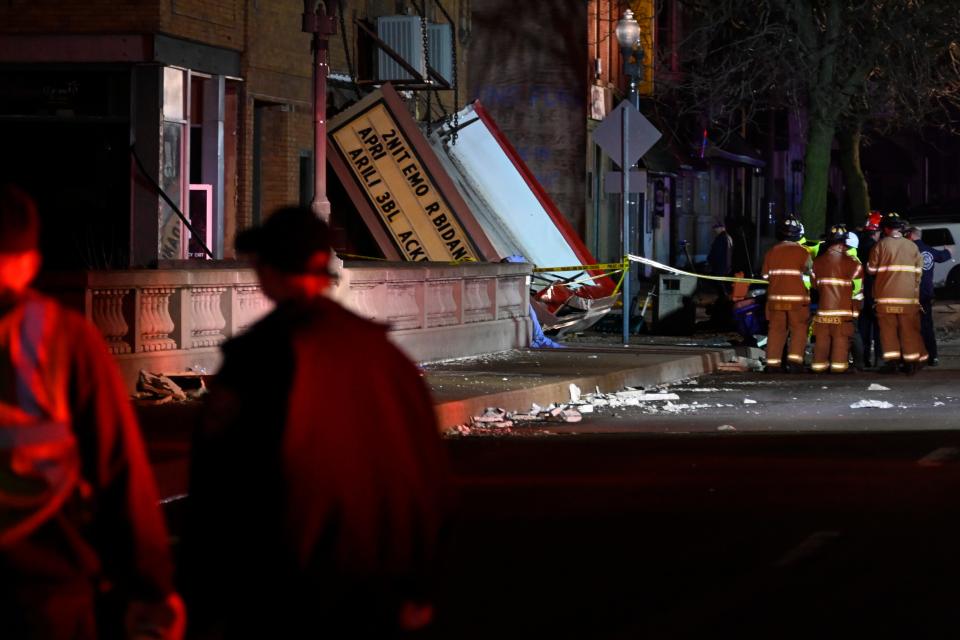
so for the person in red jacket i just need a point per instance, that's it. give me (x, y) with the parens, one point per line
(319, 481)
(80, 522)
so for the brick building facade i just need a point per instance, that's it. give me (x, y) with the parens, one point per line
(211, 100)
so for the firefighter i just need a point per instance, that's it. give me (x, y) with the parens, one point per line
(930, 257)
(788, 301)
(834, 272)
(897, 267)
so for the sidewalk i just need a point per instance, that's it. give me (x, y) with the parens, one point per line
(516, 379)
(463, 388)
(512, 380)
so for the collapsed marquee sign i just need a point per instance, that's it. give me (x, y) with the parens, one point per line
(406, 200)
(427, 200)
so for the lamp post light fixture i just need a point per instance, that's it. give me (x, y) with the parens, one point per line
(322, 25)
(631, 50)
(628, 36)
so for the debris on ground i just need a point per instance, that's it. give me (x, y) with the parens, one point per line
(749, 401)
(155, 388)
(643, 396)
(494, 418)
(180, 386)
(871, 404)
(726, 427)
(740, 365)
(877, 387)
(497, 422)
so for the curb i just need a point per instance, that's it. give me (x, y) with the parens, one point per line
(456, 412)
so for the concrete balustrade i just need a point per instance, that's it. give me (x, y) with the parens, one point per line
(171, 320)
(437, 311)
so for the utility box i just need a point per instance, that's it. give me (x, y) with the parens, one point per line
(675, 312)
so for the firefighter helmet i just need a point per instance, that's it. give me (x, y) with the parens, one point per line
(838, 234)
(893, 221)
(790, 229)
(873, 221)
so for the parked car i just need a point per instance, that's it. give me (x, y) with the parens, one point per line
(942, 232)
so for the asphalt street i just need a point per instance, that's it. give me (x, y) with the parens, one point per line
(792, 535)
(792, 515)
(787, 403)
(807, 519)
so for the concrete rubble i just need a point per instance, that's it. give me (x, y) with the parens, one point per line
(871, 404)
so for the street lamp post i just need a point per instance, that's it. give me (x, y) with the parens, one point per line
(322, 25)
(628, 36)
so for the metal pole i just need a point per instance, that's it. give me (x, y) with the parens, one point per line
(625, 220)
(322, 25)
(320, 205)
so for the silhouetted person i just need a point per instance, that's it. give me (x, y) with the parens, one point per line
(80, 523)
(318, 484)
(930, 257)
(720, 257)
(867, 323)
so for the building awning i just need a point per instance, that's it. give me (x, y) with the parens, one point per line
(514, 210)
(663, 158)
(128, 48)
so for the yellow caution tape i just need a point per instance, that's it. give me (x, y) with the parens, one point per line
(664, 267)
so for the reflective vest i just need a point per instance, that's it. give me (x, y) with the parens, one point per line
(39, 457)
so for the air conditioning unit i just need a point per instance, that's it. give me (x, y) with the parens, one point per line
(403, 35)
(440, 43)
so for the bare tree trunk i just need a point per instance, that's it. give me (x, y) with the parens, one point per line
(813, 205)
(858, 194)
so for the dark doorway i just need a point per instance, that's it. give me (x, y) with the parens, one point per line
(79, 174)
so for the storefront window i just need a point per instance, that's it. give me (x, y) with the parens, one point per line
(172, 182)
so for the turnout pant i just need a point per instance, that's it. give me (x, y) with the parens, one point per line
(926, 326)
(792, 319)
(832, 344)
(900, 333)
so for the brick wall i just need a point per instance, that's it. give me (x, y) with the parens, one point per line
(215, 22)
(276, 66)
(73, 16)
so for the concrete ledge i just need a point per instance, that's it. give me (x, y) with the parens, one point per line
(463, 340)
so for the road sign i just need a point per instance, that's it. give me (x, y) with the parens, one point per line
(613, 181)
(640, 134)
